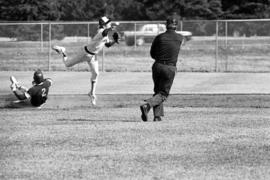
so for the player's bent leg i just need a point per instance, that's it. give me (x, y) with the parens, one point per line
(20, 94)
(14, 83)
(19, 91)
(80, 56)
(20, 104)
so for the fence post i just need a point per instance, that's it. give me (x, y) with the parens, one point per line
(50, 45)
(216, 47)
(102, 64)
(135, 29)
(88, 33)
(41, 37)
(226, 44)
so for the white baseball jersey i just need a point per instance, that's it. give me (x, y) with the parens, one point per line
(98, 42)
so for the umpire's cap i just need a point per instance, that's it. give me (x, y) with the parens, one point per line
(38, 76)
(172, 23)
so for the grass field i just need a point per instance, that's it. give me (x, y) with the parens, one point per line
(211, 135)
(111, 142)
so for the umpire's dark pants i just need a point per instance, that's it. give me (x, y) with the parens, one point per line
(163, 76)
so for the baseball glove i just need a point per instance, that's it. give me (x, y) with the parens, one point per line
(115, 37)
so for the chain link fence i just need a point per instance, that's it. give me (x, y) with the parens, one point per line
(215, 46)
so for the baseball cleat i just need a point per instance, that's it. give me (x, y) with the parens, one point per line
(144, 109)
(157, 118)
(13, 80)
(14, 83)
(13, 87)
(93, 99)
(59, 50)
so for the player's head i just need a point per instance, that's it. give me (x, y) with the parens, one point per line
(104, 22)
(38, 76)
(171, 23)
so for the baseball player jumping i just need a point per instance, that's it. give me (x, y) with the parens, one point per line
(89, 52)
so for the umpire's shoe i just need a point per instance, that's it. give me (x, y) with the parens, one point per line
(157, 118)
(145, 108)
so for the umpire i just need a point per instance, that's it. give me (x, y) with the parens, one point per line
(164, 50)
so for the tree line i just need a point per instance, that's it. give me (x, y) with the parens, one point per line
(130, 10)
(124, 10)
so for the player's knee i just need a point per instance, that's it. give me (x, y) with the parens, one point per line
(94, 76)
(20, 95)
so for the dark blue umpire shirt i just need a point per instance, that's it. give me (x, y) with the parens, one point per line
(165, 47)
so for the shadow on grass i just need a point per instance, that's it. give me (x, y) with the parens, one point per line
(78, 101)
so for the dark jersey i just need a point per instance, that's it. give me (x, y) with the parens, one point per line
(39, 93)
(166, 47)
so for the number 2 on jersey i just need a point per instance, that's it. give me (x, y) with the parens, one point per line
(43, 94)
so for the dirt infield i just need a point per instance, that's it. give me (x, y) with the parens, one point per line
(141, 83)
(129, 89)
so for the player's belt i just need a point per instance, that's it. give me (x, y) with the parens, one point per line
(89, 52)
(166, 63)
